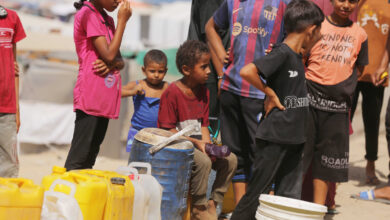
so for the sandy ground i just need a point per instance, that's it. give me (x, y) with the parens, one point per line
(36, 162)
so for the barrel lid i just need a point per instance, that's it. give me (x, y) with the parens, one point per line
(154, 136)
(292, 203)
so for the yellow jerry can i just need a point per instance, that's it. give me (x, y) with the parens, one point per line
(91, 191)
(20, 199)
(119, 204)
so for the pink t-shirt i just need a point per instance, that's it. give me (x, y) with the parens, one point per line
(93, 94)
(11, 31)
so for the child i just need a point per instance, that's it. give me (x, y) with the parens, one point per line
(376, 24)
(11, 32)
(254, 25)
(331, 81)
(97, 90)
(147, 93)
(186, 102)
(280, 136)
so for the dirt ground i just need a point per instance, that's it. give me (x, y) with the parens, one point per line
(37, 161)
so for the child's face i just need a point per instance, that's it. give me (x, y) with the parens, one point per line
(201, 70)
(155, 72)
(110, 5)
(344, 8)
(312, 37)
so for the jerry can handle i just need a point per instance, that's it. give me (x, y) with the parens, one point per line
(124, 170)
(142, 165)
(72, 186)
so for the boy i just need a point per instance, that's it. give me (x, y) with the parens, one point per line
(331, 81)
(254, 25)
(11, 32)
(201, 11)
(186, 102)
(376, 23)
(280, 136)
(146, 93)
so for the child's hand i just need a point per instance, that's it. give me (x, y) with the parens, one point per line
(272, 102)
(226, 60)
(377, 78)
(16, 69)
(100, 67)
(125, 11)
(139, 90)
(267, 51)
(201, 145)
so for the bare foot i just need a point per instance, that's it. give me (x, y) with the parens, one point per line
(382, 193)
(371, 178)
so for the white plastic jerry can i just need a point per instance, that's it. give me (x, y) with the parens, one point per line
(151, 190)
(61, 206)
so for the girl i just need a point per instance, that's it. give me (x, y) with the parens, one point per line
(97, 90)
(146, 93)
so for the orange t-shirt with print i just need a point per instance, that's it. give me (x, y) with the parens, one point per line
(331, 67)
(374, 18)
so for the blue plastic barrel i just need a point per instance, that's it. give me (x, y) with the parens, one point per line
(171, 167)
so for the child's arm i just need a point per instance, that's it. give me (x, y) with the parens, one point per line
(199, 144)
(108, 52)
(16, 90)
(376, 77)
(215, 41)
(250, 73)
(132, 89)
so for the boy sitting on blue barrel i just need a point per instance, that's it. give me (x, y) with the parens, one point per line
(184, 103)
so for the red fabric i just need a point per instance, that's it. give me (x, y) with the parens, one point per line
(176, 107)
(11, 31)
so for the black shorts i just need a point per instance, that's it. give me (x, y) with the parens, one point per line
(239, 119)
(327, 145)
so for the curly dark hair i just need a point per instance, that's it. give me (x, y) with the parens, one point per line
(189, 53)
(156, 56)
(79, 4)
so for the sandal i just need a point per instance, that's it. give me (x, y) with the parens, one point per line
(332, 212)
(373, 180)
(369, 196)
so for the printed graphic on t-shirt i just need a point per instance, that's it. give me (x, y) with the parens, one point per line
(295, 102)
(338, 48)
(6, 35)
(377, 17)
(109, 81)
(270, 12)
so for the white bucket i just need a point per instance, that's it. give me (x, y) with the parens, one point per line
(277, 207)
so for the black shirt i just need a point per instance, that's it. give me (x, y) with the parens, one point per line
(201, 12)
(284, 71)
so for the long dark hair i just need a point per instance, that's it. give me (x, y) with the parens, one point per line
(79, 4)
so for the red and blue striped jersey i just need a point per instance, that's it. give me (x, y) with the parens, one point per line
(254, 25)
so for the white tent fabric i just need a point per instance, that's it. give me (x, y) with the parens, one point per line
(46, 123)
(169, 26)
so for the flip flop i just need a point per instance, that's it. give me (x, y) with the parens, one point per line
(370, 196)
(332, 212)
(373, 180)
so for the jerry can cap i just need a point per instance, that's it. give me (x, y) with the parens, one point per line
(57, 169)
